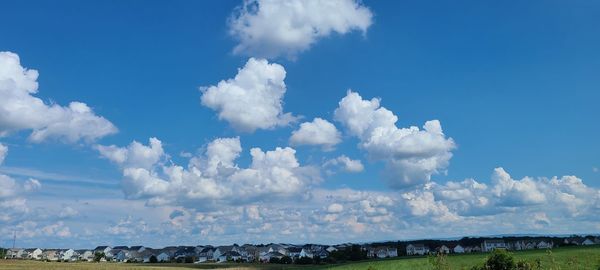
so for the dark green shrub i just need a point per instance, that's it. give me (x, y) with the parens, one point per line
(286, 260)
(153, 259)
(500, 259)
(304, 260)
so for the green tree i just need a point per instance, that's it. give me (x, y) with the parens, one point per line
(304, 260)
(153, 259)
(286, 260)
(98, 256)
(500, 259)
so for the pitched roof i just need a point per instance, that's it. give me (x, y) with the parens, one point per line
(294, 249)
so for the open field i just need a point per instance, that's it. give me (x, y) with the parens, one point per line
(579, 258)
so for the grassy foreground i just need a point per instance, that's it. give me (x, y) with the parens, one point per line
(577, 258)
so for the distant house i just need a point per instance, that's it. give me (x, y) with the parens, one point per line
(85, 255)
(67, 254)
(331, 249)
(323, 253)
(458, 249)
(185, 252)
(577, 240)
(267, 257)
(294, 252)
(587, 242)
(279, 248)
(492, 244)
(102, 249)
(206, 254)
(51, 255)
(15, 253)
(544, 244)
(121, 255)
(170, 250)
(163, 257)
(33, 253)
(382, 252)
(306, 253)
(417, 249)
(225, 253)
(231, 255)
(472, 249)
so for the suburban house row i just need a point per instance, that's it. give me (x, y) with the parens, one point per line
(245, 253)
(488, 245)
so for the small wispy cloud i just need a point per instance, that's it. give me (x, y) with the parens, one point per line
(38, 174)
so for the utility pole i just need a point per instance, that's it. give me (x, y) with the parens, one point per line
(14, 238)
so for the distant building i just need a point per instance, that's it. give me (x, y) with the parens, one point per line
(492, 244)
(458, 249)
(417, 249)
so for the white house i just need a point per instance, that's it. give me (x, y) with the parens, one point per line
(267, 257)
(102, 249)
(33, 253)
(331, 249)
(417, 249)
(544, 245)
(15, 253)
(587, 242)
(163, 257)
(492, 244)
(306, 253)
(85, 255)
(458, 249)
(50, 254)
(121, 256)
(67, 254)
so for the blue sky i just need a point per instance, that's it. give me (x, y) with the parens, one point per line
(513, 85)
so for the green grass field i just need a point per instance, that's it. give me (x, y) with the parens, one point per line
(577, 258)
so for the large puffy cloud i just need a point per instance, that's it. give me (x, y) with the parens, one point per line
(271, 28)
(411, 154)
(568, 195)
(318, 132)
(516, 192)
(20, 110)
(213, 178)
(253, 99)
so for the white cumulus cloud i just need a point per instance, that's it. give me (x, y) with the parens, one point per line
(253, 99)
(272, 28)
(136, 155)
(20, 110)
(318, 132)
(411, 154)
(214, 178)
(345, 164)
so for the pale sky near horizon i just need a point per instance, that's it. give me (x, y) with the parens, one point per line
(196, 122)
